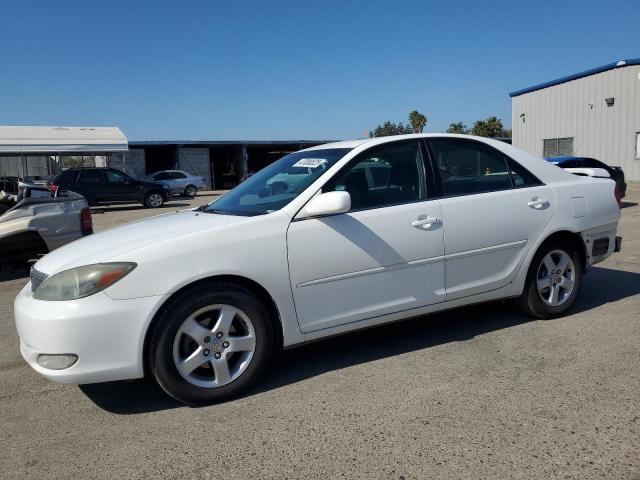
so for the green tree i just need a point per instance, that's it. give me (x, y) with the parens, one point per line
(390, 128)
(491, 127)
(457, 128)
(417, 121)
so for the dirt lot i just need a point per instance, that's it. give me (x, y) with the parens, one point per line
(479, 392)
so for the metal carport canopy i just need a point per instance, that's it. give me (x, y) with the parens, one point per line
(24, 139)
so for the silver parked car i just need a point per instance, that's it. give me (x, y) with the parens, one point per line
(179, 182)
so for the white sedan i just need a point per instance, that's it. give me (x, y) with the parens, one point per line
(324, 241)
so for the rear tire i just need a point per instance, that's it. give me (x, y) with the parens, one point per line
(190, 191)
(210, 343)
(154, 199)
(553, 280)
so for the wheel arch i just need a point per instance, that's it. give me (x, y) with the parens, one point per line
(251, 285)
(572, 237)
(19, 243)
(563, 235)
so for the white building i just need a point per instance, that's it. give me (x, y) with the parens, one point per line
(42, 151)
(595, 113)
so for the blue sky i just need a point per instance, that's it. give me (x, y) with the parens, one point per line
(291, 69)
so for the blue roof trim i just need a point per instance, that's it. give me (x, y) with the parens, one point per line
(586, 73)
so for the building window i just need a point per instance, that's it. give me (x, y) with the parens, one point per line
(557, 147)
(637, 145)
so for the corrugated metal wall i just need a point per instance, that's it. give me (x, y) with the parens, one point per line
(195, 161)
(578, 109)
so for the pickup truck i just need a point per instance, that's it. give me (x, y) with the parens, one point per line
(39, 223)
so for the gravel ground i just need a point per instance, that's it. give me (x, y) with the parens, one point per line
(478, 392)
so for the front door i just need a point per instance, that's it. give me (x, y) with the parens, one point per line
(493, 210)
(122, 188)
(384, 256)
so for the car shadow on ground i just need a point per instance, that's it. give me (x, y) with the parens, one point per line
(340, 352)
(129, 207)
(628, 204)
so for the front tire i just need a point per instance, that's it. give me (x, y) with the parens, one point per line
(553, 281)
(154, 200)
(210, 343)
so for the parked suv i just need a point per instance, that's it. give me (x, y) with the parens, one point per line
(108, 185)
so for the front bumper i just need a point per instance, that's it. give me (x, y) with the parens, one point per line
(107, 335)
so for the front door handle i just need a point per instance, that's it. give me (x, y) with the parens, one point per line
(538, 203)
(424, 222)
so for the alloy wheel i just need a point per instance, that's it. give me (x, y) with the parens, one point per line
(214, 346)
(155, 200)
(556, 278)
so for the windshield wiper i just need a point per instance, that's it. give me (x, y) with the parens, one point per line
(213, 210)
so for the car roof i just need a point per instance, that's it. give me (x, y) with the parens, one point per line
(87, 168)
(391, 138)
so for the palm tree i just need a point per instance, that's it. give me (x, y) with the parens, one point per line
(457, 128)
(417, 121)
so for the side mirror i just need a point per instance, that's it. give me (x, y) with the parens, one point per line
(330, 203)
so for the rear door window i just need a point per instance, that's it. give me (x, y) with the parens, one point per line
(520, 176)
(468, 167)
(65, 178)
(91, 176)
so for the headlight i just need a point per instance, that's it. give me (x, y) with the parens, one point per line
(81, 282)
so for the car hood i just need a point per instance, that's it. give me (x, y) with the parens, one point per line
(101, 247)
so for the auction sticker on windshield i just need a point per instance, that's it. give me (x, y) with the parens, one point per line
(310, 162)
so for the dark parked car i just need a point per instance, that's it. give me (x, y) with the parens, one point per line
(107, 185)
(9, 184)
(615, 173)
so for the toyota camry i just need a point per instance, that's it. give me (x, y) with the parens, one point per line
(326, 240)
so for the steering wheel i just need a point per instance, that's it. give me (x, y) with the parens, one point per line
(277, 188)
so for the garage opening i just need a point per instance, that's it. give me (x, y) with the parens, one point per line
(161, 157)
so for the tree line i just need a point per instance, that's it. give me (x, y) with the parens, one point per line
(490, 127)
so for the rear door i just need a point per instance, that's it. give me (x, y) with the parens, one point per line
(180, 180)
(493, 210)
(93, 185)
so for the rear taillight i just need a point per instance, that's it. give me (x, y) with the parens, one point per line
(616, 192)
(86, 223)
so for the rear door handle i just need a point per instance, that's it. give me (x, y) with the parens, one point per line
(538, 203)
(425, 222)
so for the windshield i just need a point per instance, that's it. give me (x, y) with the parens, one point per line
(276, 185)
